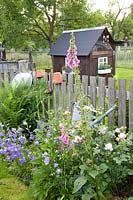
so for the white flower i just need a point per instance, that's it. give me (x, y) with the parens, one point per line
(78, 139)
(117, 130)
(67, 112)
(86, 108)
(122, 136)
(102, 129)
(61, 125)
(108, 147)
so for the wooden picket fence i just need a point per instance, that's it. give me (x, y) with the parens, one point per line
(98, 94)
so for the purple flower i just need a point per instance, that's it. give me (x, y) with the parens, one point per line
(13, 130)
(47, 160)
(58, 171)
(22, 161)
(19, 130)
(33, 158)
(14, 156)
(32, 136)
(48, 134)
(8, 159)
(2, 134)
(3, 151)
(55, 165)
(22, 139)
(36, 143)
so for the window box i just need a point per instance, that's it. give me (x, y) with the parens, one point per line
(104, 71)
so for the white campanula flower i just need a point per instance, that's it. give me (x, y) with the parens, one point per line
(108, 147)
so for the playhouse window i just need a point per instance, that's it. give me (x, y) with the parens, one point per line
(102, 61)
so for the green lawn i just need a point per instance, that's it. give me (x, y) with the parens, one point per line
(124, 73)
(10, 187)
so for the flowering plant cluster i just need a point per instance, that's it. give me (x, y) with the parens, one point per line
(72, 60)
(69, 159)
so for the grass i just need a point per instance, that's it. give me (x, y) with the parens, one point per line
(124, 73)
(10, 187)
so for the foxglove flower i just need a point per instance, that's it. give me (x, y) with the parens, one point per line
(71, 58)
(64, 137)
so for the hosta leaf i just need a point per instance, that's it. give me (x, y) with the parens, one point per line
(79, 182)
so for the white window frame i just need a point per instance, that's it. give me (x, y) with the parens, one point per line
(102, 60)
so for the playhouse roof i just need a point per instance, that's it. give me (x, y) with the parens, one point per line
(85, 40)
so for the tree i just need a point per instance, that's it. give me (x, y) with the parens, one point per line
(127, 24)
(112, 17)
(38, 23)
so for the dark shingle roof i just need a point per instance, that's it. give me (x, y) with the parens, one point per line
(85, 39)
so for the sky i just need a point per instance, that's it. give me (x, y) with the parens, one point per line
(103, 4)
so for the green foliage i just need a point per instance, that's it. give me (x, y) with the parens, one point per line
(87, 168)
(22, 104)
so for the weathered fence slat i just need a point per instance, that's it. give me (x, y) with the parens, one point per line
(85, 88)
(131, 106)
(101, 93)
(64, 90)
(57, 96)
(51, 89)
(93, 91)
(111, 100)
(70, 92)
(122, 103)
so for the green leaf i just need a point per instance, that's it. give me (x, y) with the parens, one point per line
(130, 172)
(88, 196)
(103, 168)
(79, 182)
(130, 198)
(61, 198)
(93, 173)
(83, 168)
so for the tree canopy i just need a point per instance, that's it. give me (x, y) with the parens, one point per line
(38, 23)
